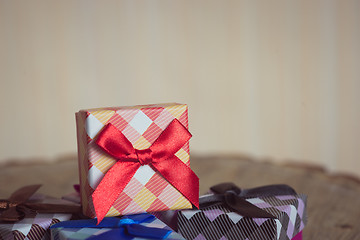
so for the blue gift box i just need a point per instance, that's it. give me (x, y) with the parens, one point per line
(137, 226)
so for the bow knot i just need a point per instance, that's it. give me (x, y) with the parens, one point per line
(126, 221)
(5, 204)
(144, 156)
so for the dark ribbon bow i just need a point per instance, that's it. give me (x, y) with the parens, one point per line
(233, 197)
(18, 205)
(127, 227)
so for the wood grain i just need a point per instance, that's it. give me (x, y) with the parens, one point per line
(333, 200)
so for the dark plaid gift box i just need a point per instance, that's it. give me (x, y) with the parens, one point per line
(220, 220)
(33, 228)
(27, 215)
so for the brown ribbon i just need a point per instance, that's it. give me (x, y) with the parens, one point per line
(18, 205)
(233, 197)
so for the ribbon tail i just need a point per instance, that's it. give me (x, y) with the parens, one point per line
(171, 167)
(109, 222)
(245, 208)
(11, 215)
(269, 190)
(141, 217)
(169, 217)
(128, 232)
(181, 177)
(53, 208)
(113, 234)
(138, 230)
(211, 200)
(170, 141)
(110, 187)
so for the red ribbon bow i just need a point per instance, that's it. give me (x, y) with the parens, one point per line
(159, 156)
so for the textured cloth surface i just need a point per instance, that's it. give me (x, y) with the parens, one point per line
(331, 209)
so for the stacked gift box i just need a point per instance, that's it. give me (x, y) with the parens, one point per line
(28, 215)
(134, 161)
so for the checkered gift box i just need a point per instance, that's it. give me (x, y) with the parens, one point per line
(219, 222)
(147, 190)
(35, 227)
(59, 232)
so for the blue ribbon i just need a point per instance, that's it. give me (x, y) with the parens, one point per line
(125, 228)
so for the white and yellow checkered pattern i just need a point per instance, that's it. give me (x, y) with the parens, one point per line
(141, 125)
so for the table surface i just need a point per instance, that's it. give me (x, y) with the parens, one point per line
(333, 200)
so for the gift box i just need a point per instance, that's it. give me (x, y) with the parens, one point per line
(135, 159)
(139, 226)
(28, 215)
(170, 218)
(269, 212)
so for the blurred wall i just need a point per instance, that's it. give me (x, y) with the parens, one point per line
(276, 79)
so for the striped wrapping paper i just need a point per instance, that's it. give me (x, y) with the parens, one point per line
(220, 223)
(141, 125)
(37, 227)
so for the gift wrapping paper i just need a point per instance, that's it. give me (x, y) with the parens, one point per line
(35, 227)
(61, 233)
(147, 190)
(219, 222)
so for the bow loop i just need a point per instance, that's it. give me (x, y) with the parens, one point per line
(24, 193)
(225, 187)
(112, 141)
(4, 204)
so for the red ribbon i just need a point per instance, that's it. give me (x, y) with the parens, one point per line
(159, 156)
